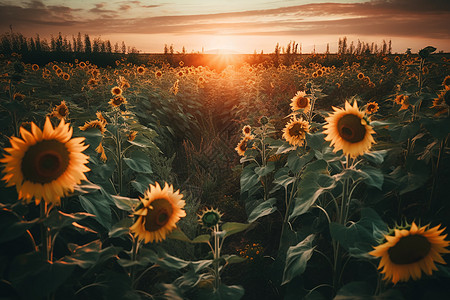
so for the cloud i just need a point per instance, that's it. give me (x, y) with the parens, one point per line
(390, 18)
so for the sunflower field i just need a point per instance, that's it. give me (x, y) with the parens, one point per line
(326, 177)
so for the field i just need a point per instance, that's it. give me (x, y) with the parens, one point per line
(226, 177)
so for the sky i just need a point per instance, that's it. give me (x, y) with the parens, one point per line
(241, 26)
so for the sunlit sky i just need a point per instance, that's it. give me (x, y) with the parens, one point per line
(237, 25)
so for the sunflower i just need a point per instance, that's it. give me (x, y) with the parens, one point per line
(18, 97)
(35, 67)
(319, 72)
(446, 82)
(247, 130)
(404, 102)
(61, 111)
(180, 74)
(66, 76)
(94, 124)
(242, 145)
(295, 131)
(158, 74)
(181, 63)
(101, 118)
(45, 164)
(116, 91)
(348, 130)
(92, 83)
(132, 135)
(372, 107)
(161, 210)
(411, 251)
(124, 84)
(209, 218)
(360, 76)
(117, 101)
(140, 70)
(300, 101)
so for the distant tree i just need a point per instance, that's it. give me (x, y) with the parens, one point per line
(390, 47)
(95, 45)
(166, 49)
(116, 47)
(124, 48)
(87, 44)
(108, 46)
(80, 45)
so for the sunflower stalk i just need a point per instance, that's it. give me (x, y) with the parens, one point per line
(134, 254)
(45, 232)
(436, 172)
(216, 254)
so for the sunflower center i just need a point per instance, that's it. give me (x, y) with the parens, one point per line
(409, 249)
(351, 129)
(45, 161)
(158, 216)
(296, 130)
(302, 102)
(210, 219)
(62, 111)
(117, 101)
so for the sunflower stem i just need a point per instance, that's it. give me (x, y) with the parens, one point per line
(45, 234)
(134, 253)
(435, 173)
(216, 257)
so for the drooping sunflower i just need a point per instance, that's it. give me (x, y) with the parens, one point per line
(295, 131)
(45, 164)
(98, 124)
(101, 118)
(372, 107)
(61, 111)
(409, 252)
(116, 91)
(446, 82)
(117, 101)
(209, 217)
(404, 102)
(18, 96)
(300, 101)
(243, 145)
(347, 130)
(161, 210)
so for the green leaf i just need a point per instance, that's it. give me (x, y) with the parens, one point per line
(93, 137)
(233, 227)
(401, 133)
(97, 204)
(412, 177)
(177, 234)
(11, 226)
(58, 220)
(125, 203)
(141, 183)
(45, 276)
(373, 176)
(121, 228)
(359, 237)
(263, 209)
(264, 170)
(359, 290)
(295, 163)
(204, 238)
(296, 259)
(233, 259)
(83, 256)
(249, 178)
(139, 162)
(315, 180)
(376, 157)
(315, 141)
